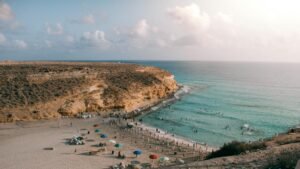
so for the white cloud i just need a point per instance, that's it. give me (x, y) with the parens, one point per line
(2, 39)
(88, 19)
(201, 29)
(190, 16)
(6, 13)
(56, 29)
(20, 44)
(142, 28)
(95, 39)
(224, 17)
(142, 35)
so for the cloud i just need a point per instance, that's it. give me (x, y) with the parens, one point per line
(224, 17)
(187, 40)
(142, 35)
(88, 19)
(20, 44)
(95, 39)
(141, 29)
(56, 29)
(190, 16)
(2, 39)
(201, 29)
(6, 13)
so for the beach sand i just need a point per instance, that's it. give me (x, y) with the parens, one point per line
(23, 144)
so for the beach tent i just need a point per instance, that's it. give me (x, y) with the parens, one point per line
(137, 152)
(130, 125)
(112, 141)
(164, 159)
(180, 161)
(103, 136)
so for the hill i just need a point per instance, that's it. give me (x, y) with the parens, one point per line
(45, 90)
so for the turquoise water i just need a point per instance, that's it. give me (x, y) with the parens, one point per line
(225, 96)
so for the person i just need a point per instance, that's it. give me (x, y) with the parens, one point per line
(122, 165)
(119, 154)
(75, 150)
(112, 152)
(88, 132)
(71, 124)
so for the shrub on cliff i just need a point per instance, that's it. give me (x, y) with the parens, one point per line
(235, 148)
(286, 160)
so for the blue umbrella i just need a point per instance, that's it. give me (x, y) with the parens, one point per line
(137, 152)
(103, 136)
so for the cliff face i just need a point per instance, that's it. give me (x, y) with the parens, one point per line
(30, 91)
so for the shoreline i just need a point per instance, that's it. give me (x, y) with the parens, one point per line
(182, 90)
(176, 138)
(141, 111)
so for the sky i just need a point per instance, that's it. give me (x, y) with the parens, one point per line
(210, 30)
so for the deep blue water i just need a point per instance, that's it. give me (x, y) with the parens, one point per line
(227, 95)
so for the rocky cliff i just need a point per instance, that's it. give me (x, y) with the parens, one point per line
(45, 90)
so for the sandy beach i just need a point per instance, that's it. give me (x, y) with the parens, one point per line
(24, 144)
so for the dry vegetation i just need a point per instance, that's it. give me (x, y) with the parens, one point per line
(25, 85)
(279, 152)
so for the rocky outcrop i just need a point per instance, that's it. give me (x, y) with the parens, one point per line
(30, 91)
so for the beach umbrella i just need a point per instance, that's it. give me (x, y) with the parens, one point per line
(137, 152)
(118, 145)
(97, 130)
(103, 136)
(153, 156)
(95, 125)
(164, 159)
(112, 141)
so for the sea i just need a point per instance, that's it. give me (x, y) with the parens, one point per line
(229, 101)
